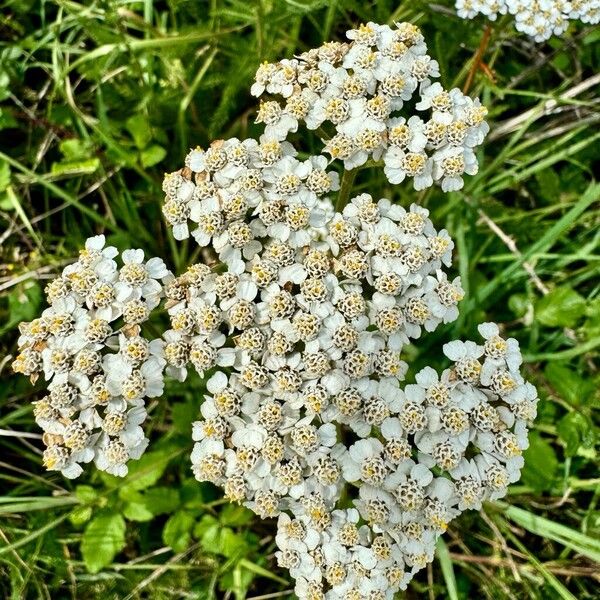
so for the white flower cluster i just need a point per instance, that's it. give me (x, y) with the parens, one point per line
(239, 191)
(304, 320)
(417, 456)
(539, 19)
(308, 295)
(88, 346)
(300, 320)
(353, 94)
(297, 318)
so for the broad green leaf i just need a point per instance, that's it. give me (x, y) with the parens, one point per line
(207, 531)
(75, 149)
(177, 532)
(562, 307)
(80, 515)
(139, 128)
(137, 511)
(152, 155)
(236, 580)
(210, 538)
(541, 464)
(235, 515)
(231, 544)
(575, 430)
(217, 539)
(206, 523)
(85, 493)
(191, 493)
(7, 119)
(102, 539)
(147, 470)
(591, 326)
(569, 385)
(130, 494)
(519, 304)
(161, 500)
(4, 85)
(24, 302)
(183, 414)
(549, 182)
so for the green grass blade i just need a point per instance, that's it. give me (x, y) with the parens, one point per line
(57, 191)
(447, 568)
(26, 504)
(33, 535)
(591, 195)
(577, 541)
(552, 580)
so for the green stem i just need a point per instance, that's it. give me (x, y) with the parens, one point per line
(345, 189)
(580, 348)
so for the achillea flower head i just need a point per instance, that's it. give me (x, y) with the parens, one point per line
(297, 318)
(422, 454)
(539, 19)
(304, 320)
(358, 92)
(88, 346)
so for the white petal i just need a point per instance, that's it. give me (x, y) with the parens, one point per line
(217, 382)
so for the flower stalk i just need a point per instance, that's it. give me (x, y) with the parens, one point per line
(346, 185)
